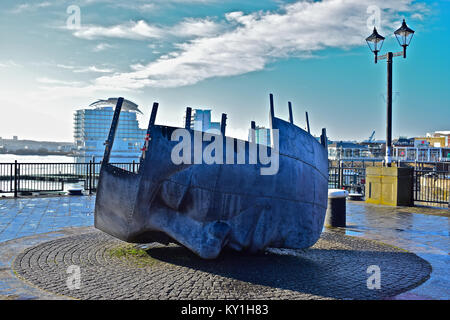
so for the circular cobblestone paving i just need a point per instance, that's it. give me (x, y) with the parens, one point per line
(334, 268)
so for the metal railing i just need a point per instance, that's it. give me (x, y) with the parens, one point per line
(431, 181)
(25, 178)
(348, 175)
(431, 184)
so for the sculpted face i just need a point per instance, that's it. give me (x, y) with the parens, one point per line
(209, 205)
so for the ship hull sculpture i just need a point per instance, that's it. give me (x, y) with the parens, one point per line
(207, 207)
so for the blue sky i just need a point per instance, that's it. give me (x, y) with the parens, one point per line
(226, 56)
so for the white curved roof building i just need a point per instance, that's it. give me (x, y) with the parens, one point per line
(91, 128)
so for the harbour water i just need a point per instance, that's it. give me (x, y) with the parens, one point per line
(9, 158)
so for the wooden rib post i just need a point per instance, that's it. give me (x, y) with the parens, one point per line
(112, 131)
(291, 117)
(188, 118)
(223, 123)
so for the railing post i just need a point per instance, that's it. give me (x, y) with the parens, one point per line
(90, 177)
(92, 165)
(87, 176)
(15, 179)
(93, 174)
(11, 177)
(338, 174)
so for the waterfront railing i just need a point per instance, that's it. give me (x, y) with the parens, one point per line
(431, 181)
(27, 178)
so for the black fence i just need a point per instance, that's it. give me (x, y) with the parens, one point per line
(25, 178)
(348, 175)
(431, 185)
(431, 180)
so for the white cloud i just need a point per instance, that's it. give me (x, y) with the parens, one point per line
(84, 69)
(93, 69)
(245, 42)
(30, 6)
(196, 28)
(296, 30)
(9, 64)
(418, 16)
(45, 80)
(63, 66)
(132, 30)
(147, 7)
(141, 30)
(102, 46)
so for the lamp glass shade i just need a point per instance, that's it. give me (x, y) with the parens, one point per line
(404, 34)
(375, 41)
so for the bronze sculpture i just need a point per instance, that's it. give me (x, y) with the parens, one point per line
(206, 207)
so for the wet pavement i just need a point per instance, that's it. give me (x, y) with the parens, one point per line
(420, 230)
(415, 229)
(30, 216)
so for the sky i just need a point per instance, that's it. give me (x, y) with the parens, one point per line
(59, 56)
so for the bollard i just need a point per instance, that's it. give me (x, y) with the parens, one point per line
(336, 210)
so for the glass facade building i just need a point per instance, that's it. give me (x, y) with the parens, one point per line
(91, 129)
(201, 121)
(262, 135)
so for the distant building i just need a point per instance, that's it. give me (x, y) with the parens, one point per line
(403, 142)
(436, 142)
(262, 135)
(346, 151)
(404, 149)
(356, 151)
(421, 154)
(201, 120)
(17, 146)
(91, 129)
(441, 134)
(423, 149)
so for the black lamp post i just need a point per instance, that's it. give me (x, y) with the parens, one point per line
(375, 41)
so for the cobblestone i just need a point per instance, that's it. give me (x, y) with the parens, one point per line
(335, 268)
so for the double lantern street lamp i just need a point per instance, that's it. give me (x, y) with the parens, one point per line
(375, 41)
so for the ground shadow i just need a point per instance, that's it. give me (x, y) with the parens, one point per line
(340, 274)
